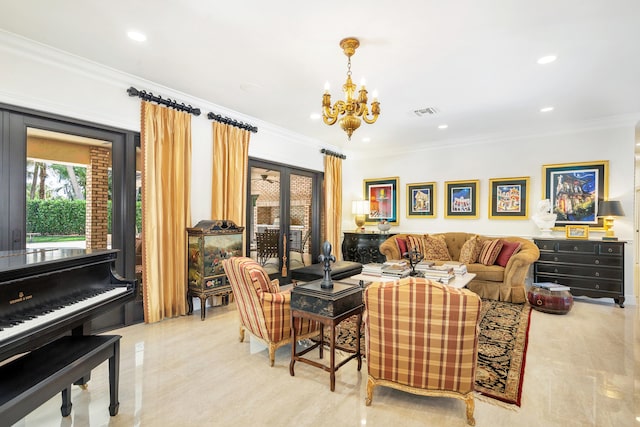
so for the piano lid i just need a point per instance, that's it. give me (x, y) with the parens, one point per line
(16, 264)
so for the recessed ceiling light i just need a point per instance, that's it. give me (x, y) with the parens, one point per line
(314, 116)
(547, 59)
(443, 126)
(137, 36)
(546, 109)
(366, 139)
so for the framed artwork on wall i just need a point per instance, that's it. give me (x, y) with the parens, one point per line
(461, 199)
(508, 198)
(382, 194)
(577, 231)
(575, 189)
(421, 200)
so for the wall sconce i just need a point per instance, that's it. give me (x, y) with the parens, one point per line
(360, 208)
(609, 209)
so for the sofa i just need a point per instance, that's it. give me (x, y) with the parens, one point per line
(500, 264)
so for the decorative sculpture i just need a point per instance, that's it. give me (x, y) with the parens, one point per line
(544, 217)
(327, 259)
(414, 258)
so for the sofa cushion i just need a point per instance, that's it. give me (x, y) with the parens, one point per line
(402, 246)
(470, 251)
(415, 243)
(490, 251)
(435, 248)
(486, 273)
(508, 250)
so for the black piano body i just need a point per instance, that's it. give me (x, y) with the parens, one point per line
(47, 281)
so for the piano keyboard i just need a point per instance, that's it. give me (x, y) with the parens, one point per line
(22, 322)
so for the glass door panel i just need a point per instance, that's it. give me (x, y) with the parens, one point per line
(264, 232)
(300, 220)
(68, 190)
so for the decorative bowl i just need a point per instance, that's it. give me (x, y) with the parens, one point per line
(384, 227)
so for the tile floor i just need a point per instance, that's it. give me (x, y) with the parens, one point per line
(582, 370)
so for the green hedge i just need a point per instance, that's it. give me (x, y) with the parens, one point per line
(64, 217)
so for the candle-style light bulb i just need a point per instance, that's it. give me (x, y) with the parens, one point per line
(326, 87)
(374, 94)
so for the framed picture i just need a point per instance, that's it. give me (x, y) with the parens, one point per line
(577, 231)
(508, 198)
(382, 194)
(575, 189)
(461, 199)
(421, 200)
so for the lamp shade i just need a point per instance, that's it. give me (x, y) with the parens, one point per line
(610, 208)
(360, 207)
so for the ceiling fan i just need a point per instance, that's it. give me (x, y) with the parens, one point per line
(265, 177)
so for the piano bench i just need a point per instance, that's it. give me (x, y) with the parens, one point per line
(30, 380)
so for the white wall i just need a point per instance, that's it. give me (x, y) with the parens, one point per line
(502, 159)
(35, 76)
(41, 78)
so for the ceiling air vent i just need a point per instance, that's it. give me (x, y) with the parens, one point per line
(422, 111)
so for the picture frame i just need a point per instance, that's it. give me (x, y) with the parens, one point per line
(575, 190)
(421, 200)
(577, 231)
(382, 194)
(509, 198)
(462, 199)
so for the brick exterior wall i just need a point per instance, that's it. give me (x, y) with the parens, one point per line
(97, 196)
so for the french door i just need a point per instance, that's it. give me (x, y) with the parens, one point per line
(283, 217)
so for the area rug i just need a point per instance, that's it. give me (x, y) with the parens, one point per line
(502, 347)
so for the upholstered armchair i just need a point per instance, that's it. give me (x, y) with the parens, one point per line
(264, 310)
(422, 338)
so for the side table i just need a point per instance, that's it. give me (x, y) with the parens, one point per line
(329, 307)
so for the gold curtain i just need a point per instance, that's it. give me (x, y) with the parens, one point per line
(333, 203)
(166, 187)
(230, 167)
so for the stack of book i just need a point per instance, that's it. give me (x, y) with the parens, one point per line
(372, 269)
(439, 273)
(397, 269)
(424, 265)
(458, 269)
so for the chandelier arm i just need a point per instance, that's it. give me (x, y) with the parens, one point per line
(369, 119)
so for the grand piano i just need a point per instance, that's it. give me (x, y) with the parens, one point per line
(48, 293)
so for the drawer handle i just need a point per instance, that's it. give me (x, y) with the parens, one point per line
(575, 248)
(610, 250)
(555, 258)
(555, 270)
(555, 281)
(597, 261)
(597, 286)
(597, 274)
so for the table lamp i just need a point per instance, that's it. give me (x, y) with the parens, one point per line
(360, 208)
(609, 209)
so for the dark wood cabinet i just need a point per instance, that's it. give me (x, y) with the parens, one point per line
(592, 268)
(363, 247)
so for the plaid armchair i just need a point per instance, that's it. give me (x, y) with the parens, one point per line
(264, 311)
(422, 338)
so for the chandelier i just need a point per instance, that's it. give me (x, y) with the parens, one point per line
(350, 108)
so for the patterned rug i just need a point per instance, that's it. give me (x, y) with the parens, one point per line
(502, 347)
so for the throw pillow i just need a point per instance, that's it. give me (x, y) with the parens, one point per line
(415, 243)
(508, 250)
(261, 281)
(490, 251)
(470, 251)
(435, 248)
(402, 246)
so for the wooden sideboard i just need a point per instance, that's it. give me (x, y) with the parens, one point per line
(593, 268)
(363, 247)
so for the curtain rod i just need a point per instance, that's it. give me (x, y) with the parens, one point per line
(332, 153)
(228, 121)
(148, 96)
